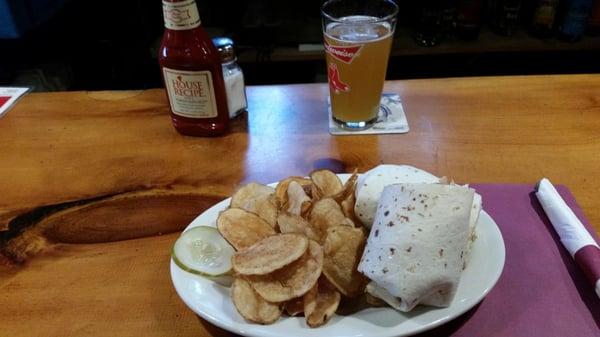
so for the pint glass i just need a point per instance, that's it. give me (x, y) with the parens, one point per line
(357, 37)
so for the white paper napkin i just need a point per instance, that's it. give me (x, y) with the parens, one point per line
(570, 230)
(573, 235)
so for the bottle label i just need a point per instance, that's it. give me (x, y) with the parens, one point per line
(181, 15)
(191, 93)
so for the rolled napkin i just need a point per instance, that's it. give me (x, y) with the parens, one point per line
(573, 235)
(417, 246)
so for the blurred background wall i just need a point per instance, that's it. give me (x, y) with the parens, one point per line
(101, 45)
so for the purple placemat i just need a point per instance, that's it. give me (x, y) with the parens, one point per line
(541, 291)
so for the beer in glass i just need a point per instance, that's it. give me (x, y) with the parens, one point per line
(357, 38)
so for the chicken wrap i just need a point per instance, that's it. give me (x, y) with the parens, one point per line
(370, 185)
(418, 243)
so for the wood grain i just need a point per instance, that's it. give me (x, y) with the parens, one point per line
(110, 289)
(79, 169)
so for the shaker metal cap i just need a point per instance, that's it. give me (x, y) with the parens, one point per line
(225, 47)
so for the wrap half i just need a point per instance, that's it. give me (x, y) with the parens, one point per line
(418, 244)
(370, 185)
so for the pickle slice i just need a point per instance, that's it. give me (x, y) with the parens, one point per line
(202, 250)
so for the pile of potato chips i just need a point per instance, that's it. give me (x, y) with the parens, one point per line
(297, 247)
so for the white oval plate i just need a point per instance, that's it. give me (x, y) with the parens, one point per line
(212, 301)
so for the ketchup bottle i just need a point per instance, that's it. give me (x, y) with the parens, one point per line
(191, 71)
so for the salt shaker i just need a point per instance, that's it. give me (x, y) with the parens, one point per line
(233, 76)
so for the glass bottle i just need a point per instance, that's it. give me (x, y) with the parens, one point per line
(233, 76)
(430, 30)
(505, 17)
(192, 74)
(575, 19)
(594, 21)
(543, 18)
(469, 19)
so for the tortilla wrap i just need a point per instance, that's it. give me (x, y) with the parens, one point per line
(417, 245)
(473, 218)
(370, 185)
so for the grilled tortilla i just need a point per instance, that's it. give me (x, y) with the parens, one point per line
(418, 243)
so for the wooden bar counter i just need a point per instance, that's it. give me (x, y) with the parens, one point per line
(96, 186)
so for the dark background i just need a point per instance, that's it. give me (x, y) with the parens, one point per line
(102, 45)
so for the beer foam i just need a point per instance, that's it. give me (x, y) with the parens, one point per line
(358, 28)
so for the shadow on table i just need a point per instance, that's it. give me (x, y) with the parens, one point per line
(332, 164)
(584, 288)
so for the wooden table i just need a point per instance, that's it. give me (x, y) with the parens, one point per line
(95, 186)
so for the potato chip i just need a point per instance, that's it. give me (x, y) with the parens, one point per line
(269, 254)
(320, 303)
(287, 271)
(347, 206)
(347, 199)
(343, 249)
(348, 188)
(326, 213)
(282, 187)
(310, 299)
(315, 193)
(290, 223)
(259, 199)
(293, 280)
(298, 202)
(242, 228)
(251, 306)
(326, 183)
(269, 210)
(294, 307)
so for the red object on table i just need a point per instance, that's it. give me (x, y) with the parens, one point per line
(3, 99)
(192, 73)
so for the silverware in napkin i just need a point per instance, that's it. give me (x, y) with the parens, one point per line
(573, 235)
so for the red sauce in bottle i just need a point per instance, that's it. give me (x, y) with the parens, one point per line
(192, 73)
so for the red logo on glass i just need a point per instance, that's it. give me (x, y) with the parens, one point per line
(343, 53)
(335, 83)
